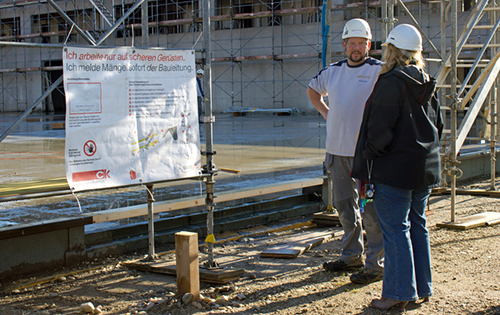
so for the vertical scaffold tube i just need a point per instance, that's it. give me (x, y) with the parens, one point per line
(151, 228)
(454, 108)
(208, 119)
(493, 135)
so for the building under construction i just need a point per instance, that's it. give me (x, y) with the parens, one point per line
(263, 53)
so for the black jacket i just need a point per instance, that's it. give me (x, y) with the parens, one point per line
(400, 132)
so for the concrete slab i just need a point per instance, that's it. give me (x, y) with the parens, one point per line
(261, 150)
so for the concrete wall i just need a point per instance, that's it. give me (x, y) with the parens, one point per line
(36, 247)
(476, 164)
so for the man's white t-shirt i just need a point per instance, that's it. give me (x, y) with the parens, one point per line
(348, 88)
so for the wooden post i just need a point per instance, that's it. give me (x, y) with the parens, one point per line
(187, 264)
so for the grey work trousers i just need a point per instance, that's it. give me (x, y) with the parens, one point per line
(346, 201)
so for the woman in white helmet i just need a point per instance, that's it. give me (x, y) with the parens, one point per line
(398, 152)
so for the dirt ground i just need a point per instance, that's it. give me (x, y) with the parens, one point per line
(465, 264)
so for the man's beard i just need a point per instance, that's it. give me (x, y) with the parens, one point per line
(358, 59)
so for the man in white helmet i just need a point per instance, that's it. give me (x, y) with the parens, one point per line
(199, 88)
(348, 85)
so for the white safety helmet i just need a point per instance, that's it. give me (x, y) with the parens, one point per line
(405, 36)
(357, 28)
(200, 71)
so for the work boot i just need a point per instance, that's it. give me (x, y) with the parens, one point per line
(340, 265)
(385, 304)
(366, 276)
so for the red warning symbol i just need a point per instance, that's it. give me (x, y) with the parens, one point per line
(89, 148)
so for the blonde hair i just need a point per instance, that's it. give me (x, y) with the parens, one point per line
(395, 57)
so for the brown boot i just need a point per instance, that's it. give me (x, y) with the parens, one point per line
(385, 304)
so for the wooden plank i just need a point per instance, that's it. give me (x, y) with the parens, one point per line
(326, 218)
(297, 245)
(218, 276)
(22, 188)
(479, 192)
(330, 218)
(467, 192)
(58, 125)
(321, 222)
(472, 221)
(269, 189)
(186, 259)
(168, 205)
(493, 222)
(326, 215)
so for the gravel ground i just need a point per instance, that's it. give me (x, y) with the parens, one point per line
(465, 264)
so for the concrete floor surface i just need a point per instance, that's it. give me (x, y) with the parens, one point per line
(264, 148)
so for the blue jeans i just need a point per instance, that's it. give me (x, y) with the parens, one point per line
(407, 264)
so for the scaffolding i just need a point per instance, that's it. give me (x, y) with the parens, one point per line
(263, 52)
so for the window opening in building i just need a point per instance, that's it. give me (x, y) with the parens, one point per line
(53, 28)
(10, 29)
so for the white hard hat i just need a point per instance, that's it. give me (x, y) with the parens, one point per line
(200, 71)
(405, 36)
(357, 28)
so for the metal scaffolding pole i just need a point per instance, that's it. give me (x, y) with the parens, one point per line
(326, 20)
(145, 26)
(493, 117)
(151, 223)
(454, 108)
(208, 119)
(493, 137)
(149, 187)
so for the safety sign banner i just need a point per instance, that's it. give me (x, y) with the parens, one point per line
(131, 116)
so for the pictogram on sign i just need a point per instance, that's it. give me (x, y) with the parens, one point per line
(89, 148)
